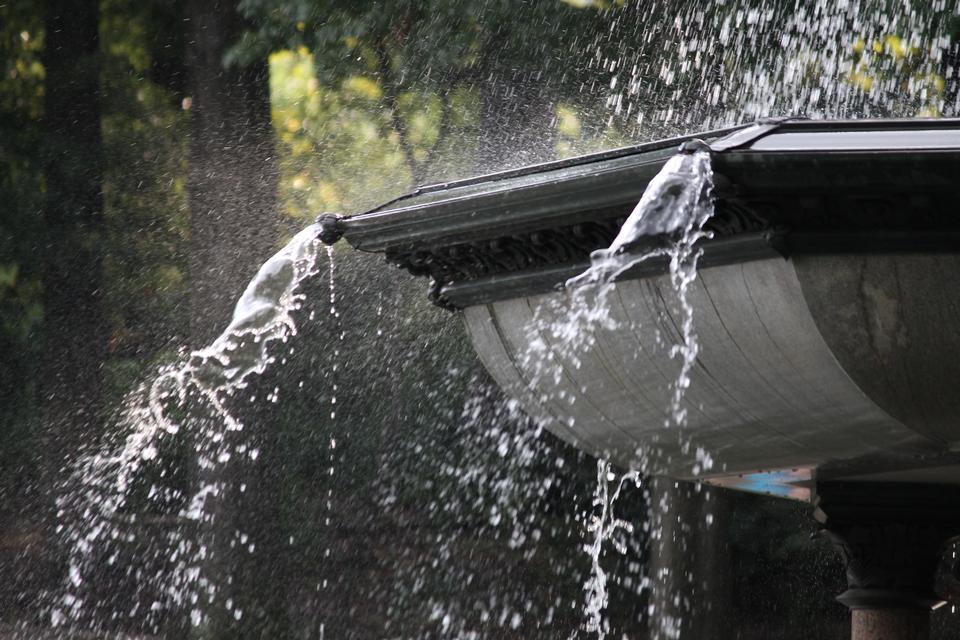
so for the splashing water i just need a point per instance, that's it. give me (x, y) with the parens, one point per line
(605, 526)
(739, 61)
(667, 222)
(669, 218)
(262, 316)
(98, 492)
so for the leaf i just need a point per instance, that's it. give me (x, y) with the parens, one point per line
(364, 87)
(8, 275)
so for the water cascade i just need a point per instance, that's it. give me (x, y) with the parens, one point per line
(553, 341)
(771, 311)
(95, 496)
(667, 221)
(605, 528)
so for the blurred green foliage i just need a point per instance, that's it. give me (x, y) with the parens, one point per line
(145, 202)
(406, 80)
(21, 107)
(894, 68)
(339, 149)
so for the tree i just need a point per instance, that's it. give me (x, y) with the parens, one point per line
(21, 311)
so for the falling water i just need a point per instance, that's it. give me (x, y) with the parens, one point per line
(667, 222)
(605, 527)
(97, 494)
(733, 62)
(729, 62)
(332, 381)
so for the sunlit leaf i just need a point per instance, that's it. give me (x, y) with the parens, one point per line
(364, 87)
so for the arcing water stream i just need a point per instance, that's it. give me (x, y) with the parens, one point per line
(92, 506)
(668, 221)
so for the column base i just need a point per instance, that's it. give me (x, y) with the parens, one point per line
(874, 599)
(890, 624)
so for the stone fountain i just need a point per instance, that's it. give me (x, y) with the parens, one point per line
(827, 306)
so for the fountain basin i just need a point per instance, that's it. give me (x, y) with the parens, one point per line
(826, 305)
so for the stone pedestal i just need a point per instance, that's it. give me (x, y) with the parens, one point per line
(876, 624)
(689, 567)
(891, 536)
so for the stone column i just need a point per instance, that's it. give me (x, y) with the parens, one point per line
(891, 536)
(875, 624)
(688, 568)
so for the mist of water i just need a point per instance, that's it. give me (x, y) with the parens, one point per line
(732, 62)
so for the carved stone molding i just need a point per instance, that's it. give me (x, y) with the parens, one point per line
(506, 254)
(541, 248)
(812, 183)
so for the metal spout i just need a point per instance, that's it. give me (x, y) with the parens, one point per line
(330, 230)
(692, 146)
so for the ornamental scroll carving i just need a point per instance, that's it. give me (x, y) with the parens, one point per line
(541, 248)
